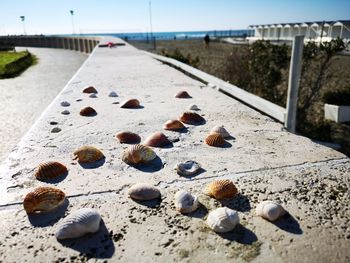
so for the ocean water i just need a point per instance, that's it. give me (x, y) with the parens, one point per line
(179, 35)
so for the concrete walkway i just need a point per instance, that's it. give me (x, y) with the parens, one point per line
(265, 162)
(25, 97)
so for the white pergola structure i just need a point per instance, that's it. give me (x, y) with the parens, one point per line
(321, 31)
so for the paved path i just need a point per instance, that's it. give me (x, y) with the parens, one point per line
(265, 162)
(25, 97)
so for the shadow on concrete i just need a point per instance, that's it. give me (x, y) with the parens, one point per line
(227, 145)
(154, 203)
(94, 245)
(133, 108)
(239, 203)
(199, 123)
(201, 211)
(45, 219)
(289, 224)
(93, 165)
(230, 138)
(241, 235)
(150, 167)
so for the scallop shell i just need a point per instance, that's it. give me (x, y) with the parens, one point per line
(65, 104)
(157, 139)
(88, 154)
(220, 130)
(132, 103)
(50, 170)
(183, 95)
(88, 112)
(93, 95)
(173, 125)
(221, 189)
(113, 94)
(65, 112)
(43, 199)
(187, 168)
(270, 210)
(89, 90)
(215, 139)
(143, 191)
(191, 118)
(185, 202)
(128, 137)
(193, 107)
(138, 153)
(223, 219)
(78, 224)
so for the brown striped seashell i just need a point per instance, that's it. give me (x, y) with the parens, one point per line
(128, 137)
(183, 95)
(215, 139)
(88, 112)
(89, 89)
(137, 154)
(130, 104)
(157, 139)
(221, 189)
(50, 170)
(173, 125)
(88, 154)
(191, 118)
(220, 130)
(43, 199)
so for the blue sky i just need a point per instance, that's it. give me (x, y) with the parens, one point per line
(53, 17)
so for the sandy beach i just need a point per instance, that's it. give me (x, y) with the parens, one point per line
(24, 98)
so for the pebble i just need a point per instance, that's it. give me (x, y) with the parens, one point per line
(65, 112)
(65, 104)
(56, 130)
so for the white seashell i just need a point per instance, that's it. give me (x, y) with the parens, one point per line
(223, 219)
(270, 210)
(220, 130)
(187, 168)
(185, 202)
(65, 103)
(143, 191)
(93, 95)
(65, 112)
(79, 223)
(193, 107)
(113, 94)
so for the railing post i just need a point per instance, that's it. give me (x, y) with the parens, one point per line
(293, 83)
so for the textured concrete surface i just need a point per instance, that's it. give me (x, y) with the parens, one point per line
(265, 162)
(25, 97)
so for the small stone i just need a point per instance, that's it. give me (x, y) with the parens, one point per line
(78, 100)
(93, 95)
(113, 94)
(53, 122)
(65, 112)
(65, 104)
(115, 102)
(55, 130)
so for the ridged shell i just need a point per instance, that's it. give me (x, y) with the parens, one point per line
(143, 191)
(220, 130)
(215, 139)
(187, 168)
(50, 170)
(270, 210)
(221, 189)
(223, 219)
(113, 94)
(173, 125)
(157, 139)
(65, 104)
(78, 224)
(185, 202)
(43, 199)
(128, 137)
(183, 95)
(138, 153)
(89, 90)
(88, 112)
(88, 154)
(132, 103)
(191, 118)
(193, 107)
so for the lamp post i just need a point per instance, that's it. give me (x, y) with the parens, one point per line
(72, 15)
(150, 17)
(24, 26)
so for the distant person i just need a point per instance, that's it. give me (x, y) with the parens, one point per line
(206, 40)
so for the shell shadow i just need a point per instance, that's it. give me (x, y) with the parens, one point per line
(45, 219)
(239, 203)
(200, 171)
(93, 165)
(200, 212)
(133, 108)
(56, 180)
(230, 138)
(167, 146)
(94, 245)
(154, 203)
(241, 235)
(90, 115)
(227, 145)
(198, 123)
(151, 167)
(289, 224)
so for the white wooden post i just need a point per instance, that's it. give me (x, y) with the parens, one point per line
(293, 83)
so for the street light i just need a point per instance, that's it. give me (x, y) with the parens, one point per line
(24, 26)
(72, 14)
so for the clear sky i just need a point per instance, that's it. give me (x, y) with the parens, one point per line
(112, 16)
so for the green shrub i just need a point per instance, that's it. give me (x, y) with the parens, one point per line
(339, 97)
(14, 63)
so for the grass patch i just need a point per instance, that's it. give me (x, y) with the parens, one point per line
(13, 64)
